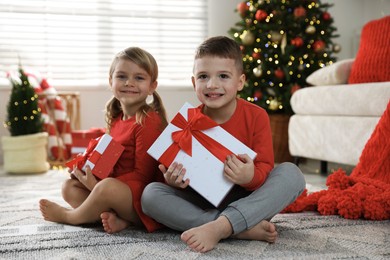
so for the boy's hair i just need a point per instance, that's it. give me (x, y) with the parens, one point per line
(222, 47)
(147, 62)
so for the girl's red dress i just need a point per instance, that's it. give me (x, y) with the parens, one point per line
(135, 167)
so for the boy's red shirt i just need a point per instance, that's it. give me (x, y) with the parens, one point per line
(250, 124)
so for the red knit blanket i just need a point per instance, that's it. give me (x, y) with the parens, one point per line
(363, 194)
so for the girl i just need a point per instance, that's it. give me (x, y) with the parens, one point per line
(135, 124)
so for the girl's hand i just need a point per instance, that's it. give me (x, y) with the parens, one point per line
(87, 179)
(72, 176)
(174, 175)
(239, 170)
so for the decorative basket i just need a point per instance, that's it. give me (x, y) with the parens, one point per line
(25, 154)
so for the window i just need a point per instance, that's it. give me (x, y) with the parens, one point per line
(73, 41)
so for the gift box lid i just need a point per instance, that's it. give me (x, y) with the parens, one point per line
(204, 170)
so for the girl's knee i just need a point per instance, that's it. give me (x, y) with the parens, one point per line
(68, 188)
(107, 187)
(69, 183)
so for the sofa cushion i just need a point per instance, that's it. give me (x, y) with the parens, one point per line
(334, 74)
(372, 60)
(368, 99)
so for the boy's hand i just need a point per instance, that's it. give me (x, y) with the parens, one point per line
(87, 179)
(239, 170)
(174, 175)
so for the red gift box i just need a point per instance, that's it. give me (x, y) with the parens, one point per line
(101, 156)
(81, 138)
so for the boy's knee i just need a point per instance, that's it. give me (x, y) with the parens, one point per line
(149, 196)
(293, 174)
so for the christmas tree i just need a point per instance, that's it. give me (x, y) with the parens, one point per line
(24, 115)
(282, 42)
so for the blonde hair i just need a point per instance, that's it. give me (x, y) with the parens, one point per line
(147, 62)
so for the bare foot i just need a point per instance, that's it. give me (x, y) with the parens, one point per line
(206, 237)
(263, 231)
(51, 211)
(112, 223)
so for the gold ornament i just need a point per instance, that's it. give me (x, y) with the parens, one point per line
(257, 71)
(283, 44)
(276, 36)
(247, 38)
(310, 29)
(273, 104)
(336, 48)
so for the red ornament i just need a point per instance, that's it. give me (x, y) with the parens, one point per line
(297, 42)
(260, 15)
(279, 73)
(242, 48)
(257, 94)
(256, 55)
(242, 8)
(319, 46)
(299, 12)
(294, 88)
(326, 16)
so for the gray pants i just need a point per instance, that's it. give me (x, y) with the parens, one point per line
(185, 209)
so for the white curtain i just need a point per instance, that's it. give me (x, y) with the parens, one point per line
(75, 40)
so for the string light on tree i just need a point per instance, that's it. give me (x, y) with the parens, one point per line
(257, 71)
(282, 42)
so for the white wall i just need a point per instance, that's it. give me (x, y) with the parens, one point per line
(221, 18)
(349, 18)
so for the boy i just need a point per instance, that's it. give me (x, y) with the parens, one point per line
(259, 193)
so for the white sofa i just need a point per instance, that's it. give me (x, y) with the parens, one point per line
(332, 123)
(333, 119)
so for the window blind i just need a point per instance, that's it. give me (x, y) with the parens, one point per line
(74, 41)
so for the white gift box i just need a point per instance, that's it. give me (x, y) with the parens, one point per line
(204, 170)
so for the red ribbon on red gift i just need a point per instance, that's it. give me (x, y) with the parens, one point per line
(90, 154)
(182, 139)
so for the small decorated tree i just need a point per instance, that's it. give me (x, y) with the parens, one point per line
(282, 42)
(24, 115)
(25, 151)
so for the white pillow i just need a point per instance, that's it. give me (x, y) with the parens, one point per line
(334, 74)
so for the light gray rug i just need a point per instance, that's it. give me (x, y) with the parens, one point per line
(25, 235)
